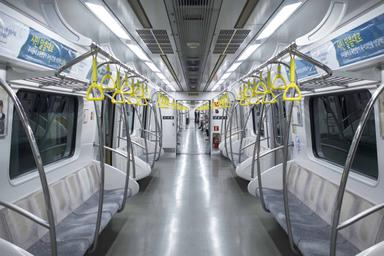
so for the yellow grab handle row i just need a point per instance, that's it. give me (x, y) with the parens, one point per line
(126, 92)
(263, 93)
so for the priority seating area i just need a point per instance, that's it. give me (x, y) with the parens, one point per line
(311, 201)
(75, 203)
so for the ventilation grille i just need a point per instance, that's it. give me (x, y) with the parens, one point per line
(156, 40)
(229, 40)
(193, 2)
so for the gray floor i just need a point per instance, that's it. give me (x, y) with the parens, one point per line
(193, 205)
(192, 141)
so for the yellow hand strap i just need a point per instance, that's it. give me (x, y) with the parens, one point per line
(126, 87)
(279, 77)
(106, 78)
(270, 97)
(292, 85)
(118, 95)
(95, 91)
(260, 88)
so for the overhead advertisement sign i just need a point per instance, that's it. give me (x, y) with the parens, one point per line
(43, 50)
(363, 42)
(20, 41)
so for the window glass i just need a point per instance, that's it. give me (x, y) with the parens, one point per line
(277, 118)
(334, 121)
(130, 116)
(256, 120)
(53, 119)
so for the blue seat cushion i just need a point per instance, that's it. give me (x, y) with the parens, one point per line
(74, 234)
(311, 233)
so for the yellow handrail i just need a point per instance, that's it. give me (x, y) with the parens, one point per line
(108, 76)
(95, 91)
(118, 93)
(279, 77)
(127, 85)
(269, 97)
(292, 85)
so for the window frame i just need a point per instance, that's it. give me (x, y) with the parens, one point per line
(48, 167)
(361, 176)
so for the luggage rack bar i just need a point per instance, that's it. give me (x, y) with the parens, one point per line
(58, 78)
(338, 79)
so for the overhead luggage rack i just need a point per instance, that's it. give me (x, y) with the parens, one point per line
(337, 79)
(62, 82)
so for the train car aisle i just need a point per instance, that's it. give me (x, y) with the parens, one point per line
(193, 140)
(193, 205)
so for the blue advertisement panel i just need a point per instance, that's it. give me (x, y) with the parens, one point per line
(305, 69)
(43, 50)
(363, 42)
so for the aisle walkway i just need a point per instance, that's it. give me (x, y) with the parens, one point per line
(193, 206)
(193, 141)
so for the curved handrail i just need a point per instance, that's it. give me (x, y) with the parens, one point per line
(348, 164)
(360, 216)
(38, 161)
(142, 128)
(243, 129)
(256, 149)
(25, 213)
(101, 134)
(129, 145)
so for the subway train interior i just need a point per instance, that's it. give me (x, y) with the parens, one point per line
(191, 127)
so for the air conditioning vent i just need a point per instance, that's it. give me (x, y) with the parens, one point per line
(193, 2)
(156, 40)
(192, 17)
(229, 40)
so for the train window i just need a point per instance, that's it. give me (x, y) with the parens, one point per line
(256, 120)
(131, 118)
(53, 119)
(276, 119)
(334, 121)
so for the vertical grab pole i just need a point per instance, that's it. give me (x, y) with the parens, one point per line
(226, 131)
(161, 133)
(230, 135)
(347, 167)
(38, 161)
(129, 145)
(156, 131)
(285, 181)
(256, 148)
(100, 129)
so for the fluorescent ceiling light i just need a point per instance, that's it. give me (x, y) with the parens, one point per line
(225, 76)
(104, 16)
(152, 66)
(234, 66)
(161, 76)
(215, 87)
(139, 52)
(248, 52)
(279, 19)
